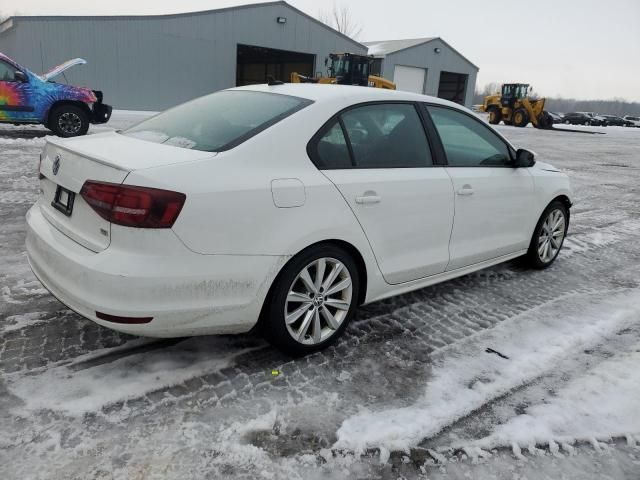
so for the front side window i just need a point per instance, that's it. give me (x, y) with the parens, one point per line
(387, 136)
(218, 121)
(7, 72)
(468, 142)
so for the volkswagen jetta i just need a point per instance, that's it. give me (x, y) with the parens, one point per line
(284, 207)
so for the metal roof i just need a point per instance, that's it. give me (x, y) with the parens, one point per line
(282, 3)
(382, 48)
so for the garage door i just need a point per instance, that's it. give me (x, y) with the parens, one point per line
(409, 79)
(255, 64)
(453, 86)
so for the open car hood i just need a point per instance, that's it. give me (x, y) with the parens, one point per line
(54, 72)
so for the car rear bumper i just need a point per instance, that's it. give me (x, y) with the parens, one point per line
(186, 293)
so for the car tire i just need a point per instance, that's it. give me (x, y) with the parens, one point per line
(520, 118)
(548, 236)
(495, 115)
(68, 121)
(301, 317)
(545, 121)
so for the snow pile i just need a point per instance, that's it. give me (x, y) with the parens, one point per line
(76, 390)
(27, 142)
(605, 402)
(465, 376)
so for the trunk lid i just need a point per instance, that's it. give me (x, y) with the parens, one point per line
(68, 163)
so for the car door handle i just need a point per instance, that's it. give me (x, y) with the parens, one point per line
(465, 190)
(368, 199)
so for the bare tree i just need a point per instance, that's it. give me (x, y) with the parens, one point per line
(340, 18)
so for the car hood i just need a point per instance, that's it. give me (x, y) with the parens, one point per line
(546, 166)
(55, 71)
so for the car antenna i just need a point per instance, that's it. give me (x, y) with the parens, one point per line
(272, 81)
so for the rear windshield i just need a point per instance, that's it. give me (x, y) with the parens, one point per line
(219, 121)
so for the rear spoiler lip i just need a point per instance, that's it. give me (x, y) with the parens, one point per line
(60, 143)
(99, 160)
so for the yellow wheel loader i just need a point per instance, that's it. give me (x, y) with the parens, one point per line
(514, 107)
(347, 69)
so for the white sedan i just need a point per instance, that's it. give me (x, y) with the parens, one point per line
(284, 207)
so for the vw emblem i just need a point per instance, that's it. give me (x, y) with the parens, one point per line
(56, 165)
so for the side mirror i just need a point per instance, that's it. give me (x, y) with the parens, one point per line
(20, 77)
(524, 158)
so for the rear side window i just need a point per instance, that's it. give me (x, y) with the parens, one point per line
(468, 142)
(332, 151)
(219, 121)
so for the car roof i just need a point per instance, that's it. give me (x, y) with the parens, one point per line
(350, 94)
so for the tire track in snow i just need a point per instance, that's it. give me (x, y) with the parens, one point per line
(463, 380)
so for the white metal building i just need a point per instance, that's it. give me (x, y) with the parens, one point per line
(425, 65)
(151, 62)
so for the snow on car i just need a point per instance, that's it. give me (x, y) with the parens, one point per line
(287, 206)
(27, 98)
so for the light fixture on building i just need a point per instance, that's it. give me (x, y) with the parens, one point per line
(281, 20)
(437, 49)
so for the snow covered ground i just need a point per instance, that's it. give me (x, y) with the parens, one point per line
(507, 373)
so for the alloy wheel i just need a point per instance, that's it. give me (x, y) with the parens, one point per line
(551, 235)
(70, 123)
(318, 301)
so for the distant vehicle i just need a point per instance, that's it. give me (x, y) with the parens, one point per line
(614, 120)
(597, 120)
(347, 69)
(582, 118)
(632, 121)
(210, 228)
(514, 106)
(556, 117)
(576, 118)
(65, 109)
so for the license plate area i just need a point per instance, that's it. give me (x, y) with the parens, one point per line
(63, 200)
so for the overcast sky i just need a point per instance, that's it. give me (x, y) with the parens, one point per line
(572, 48)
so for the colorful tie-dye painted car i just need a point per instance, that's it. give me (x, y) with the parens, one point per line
(65, 109)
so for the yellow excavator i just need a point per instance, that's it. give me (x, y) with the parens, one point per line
(514, 107)
(347, 69)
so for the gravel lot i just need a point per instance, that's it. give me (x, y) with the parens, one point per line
(410, 385)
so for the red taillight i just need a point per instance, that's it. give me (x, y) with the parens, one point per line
(133, 206)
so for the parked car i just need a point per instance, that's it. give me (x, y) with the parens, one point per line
(65, 109)
(614, 120)
(633, 121)
(581, 118)
(556, 117)
(597, 120)
(284, 207)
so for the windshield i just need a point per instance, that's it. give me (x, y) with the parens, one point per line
(219, 121)
(339, 66)
(521, 91)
